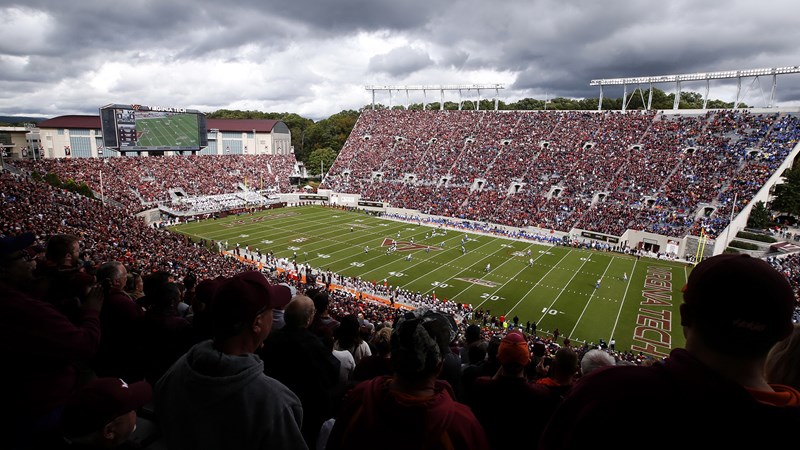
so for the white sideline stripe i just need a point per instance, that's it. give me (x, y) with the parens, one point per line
(624, 297)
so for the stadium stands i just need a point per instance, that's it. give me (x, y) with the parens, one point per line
(601, 171)
(139, 183)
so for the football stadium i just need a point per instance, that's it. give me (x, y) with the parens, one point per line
(532, 238)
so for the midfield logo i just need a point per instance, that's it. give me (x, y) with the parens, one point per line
(405, 246)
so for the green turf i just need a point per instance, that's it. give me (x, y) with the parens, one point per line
(558, 291)
(174, 130)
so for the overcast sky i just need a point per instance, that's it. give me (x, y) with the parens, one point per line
(315, 57)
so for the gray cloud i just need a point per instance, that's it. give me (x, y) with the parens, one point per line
(400, 61)
(69, 57)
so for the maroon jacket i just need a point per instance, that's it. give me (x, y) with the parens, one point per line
(41, 349)
(120, 351)
(374, 417)
(506, 405)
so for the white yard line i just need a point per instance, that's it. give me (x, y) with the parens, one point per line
(512, 279)
(534, 286)
(624, 296)
(488, 241)
(585, 307)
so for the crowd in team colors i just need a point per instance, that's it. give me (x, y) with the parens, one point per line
(139, 183)
(604, 172)
(220, 355)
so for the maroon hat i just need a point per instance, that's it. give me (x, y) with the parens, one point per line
(739, 304)
(514, 350)
(239, 299)
(282, 296)
(99, 402)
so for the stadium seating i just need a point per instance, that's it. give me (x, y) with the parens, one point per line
(655, 172)
(139, 183)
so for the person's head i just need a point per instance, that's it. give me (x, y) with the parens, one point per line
(134, 283)
(476, 351)
(565, 365)
(382, 341)
(63, 250)
(321, 302)
(493, 348)
(736, 306)
(242, 312)
(299, 312)
(164, 298)
(783, 361)
(16, 262)
(102, 414)
(472, 334)
(595, 359)
(112, 274)
(420, 341)
(513, 353)
(347, 334)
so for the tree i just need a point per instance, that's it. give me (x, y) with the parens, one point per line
(760, 217)
(320, 159)
(787, 195)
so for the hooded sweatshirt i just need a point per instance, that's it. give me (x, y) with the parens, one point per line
(374, 414)
(212, 400)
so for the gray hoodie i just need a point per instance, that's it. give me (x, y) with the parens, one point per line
(212, 400)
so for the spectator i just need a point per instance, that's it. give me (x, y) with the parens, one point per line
(281, 301)
(348, 338)
(530, 406)
(165, 334)
(119, 354)
(717, 382)
(102, 414)
(413, 397)
(44, 347)
(297, 358)
(379, 363)
(783, 361)
(595, 359)
(216, 395)
(562, 371)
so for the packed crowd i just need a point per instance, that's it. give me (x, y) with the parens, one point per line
(229, 357)
(139, 183)
(604, 172)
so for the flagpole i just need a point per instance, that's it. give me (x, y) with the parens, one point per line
(730, 220)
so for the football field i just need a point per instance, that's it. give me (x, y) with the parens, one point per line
(558, 290)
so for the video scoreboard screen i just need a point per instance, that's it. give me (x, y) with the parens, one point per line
(135, 128)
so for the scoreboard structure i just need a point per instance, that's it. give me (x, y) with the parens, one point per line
(138, 128)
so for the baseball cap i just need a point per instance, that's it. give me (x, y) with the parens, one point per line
(99, 402)
(740, 305)
(239, 299)
(283, 295)
(514, 350)
(12, 244)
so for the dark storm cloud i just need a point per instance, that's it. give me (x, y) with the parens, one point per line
(302, 52)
